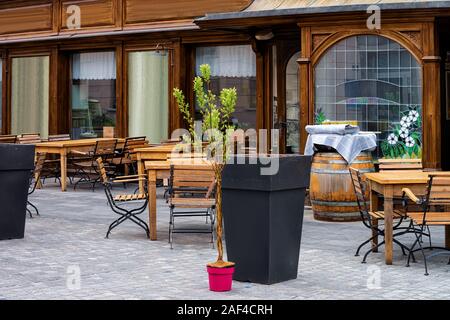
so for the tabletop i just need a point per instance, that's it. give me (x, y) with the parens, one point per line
(165, 165)
(402, 177)
(72, 143)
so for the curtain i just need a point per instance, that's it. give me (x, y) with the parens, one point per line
(148, 92)
(94, 66)
(30, 95)
(228, 61)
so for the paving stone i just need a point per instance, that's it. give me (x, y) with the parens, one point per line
(69, 236)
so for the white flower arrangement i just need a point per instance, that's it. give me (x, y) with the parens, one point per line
(405, 139)
(406, 122)
(404, 132)
(413, 116)
(410, 142)
(392, 139)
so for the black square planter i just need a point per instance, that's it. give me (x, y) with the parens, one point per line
(263, 217)
(16, 165)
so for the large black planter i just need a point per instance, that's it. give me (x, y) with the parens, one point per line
(263, 218)
(16, 163)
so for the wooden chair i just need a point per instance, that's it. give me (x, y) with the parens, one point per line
(116, 201)
(86, 167)
(191, 188)
(34, 181)
(171, 141)
(400, 164)
(10, 139)
(437, 195)
(29, 138)
(126, 157)
(372, 219)
(59, 137)
(52, 164)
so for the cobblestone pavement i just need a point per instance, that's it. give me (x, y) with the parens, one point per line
(68, 238)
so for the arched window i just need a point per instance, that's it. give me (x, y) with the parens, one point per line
(377, 83)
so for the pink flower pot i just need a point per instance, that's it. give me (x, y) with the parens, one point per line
(220, 279)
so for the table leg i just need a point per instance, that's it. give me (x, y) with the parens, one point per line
(141, 172)
(152, 204)
(388, 223)
(374, 207)
(63, 163)
(447, 237)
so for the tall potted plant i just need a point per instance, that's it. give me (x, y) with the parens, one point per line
(217, 129)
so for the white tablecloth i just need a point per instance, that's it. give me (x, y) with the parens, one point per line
(349, 146)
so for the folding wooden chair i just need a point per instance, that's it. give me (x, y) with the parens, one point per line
(192, 188)
(52, 166)
(59, 137)
(87, 168)
(29, 138)
(437, 195)
(34, 181)
(119, 203)
(126, 157)
(372, 219)
(10, 139)
(400, 164)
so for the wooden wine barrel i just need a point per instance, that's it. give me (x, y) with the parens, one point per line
(331, 190)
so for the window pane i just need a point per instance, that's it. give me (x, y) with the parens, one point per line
(382, 90)
(148, 103)
(233, 66)
(93, 94)
(292, 105)
(30, 95)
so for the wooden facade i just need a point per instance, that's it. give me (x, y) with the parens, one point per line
(40, 27)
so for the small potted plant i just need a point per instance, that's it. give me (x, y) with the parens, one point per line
(217, 129)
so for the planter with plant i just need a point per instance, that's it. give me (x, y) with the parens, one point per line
(217, 129)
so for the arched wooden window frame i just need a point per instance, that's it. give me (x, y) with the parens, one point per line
(418, 40)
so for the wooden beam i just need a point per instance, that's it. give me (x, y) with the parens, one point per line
(431, 104)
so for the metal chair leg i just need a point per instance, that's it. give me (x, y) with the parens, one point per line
(34, 207)
(368, 252)
(418, 241)
(362, 245)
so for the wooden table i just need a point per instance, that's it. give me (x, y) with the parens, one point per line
(390, 185)
(63, 148)
(153, 153)
(160, 170)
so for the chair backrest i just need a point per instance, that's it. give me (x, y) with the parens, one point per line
(8, 139)
(105, 148)
(199, 177)
(132, 143)
(59, 137)
(29, 138)
(171, 141)
(37, 172)
(39, 164)
(360, 193)
(438, 190)
(400, 164)
(102, 170)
